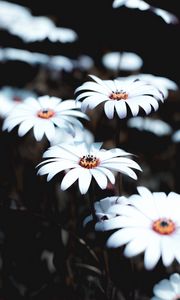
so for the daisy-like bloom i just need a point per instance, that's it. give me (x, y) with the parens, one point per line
(150, 224)
(43, 115)
(80, 135)
(103, 209)
(117, 95)
(125, 61)
(83, 162)
(168, 17)
(176, 136)
(57, 62)
(157, 127)
(83, 62)
(10, 97)
(167, 289)
(19, 21)
(162, 83)
(11, 12)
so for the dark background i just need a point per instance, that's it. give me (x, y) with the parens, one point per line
(102, 28)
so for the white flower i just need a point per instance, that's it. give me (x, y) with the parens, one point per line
(167, 289)
(57, 62)
(117, 95)
(35, 29)
(83, 62)
(10, 97)
(31, 58)
(125, 61)
(80, 135)
(19, 21)
(103, 210)
(162, 83)
(150, 224)
(168, 17)
(43, 114)
(176, 136)
(157, 127)
(11, 12)
(83, 162)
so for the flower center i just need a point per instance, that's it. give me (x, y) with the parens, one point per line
(118, 95)
(164, 226)
(17, 99)
(46, 113)
(89, 162)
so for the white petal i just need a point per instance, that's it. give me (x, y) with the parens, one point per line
(70, 178)
(121, 109)
(49, 130)
(137, 245)
(109, 109)
(167, 250)
(164, 290)
(99, 177)
(84, 180)
(121, 237)
(38, 130)
(152, 253)
(108, 173)
(25, 127)
(134, 107)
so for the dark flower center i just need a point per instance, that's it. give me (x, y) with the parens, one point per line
(118, 95)
(164, 226)
(89, 161)
(46, 113)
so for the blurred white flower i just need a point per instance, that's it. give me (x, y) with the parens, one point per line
(83, 162)
(176, 136)
(149, 224)
(162, 83)
(125, 61)
(57, 62)
(43, 115)
(10, 97)
(168, 17)
(117, 95)
(103, 210)
(80, 135)
(11, 12)
(83, 62)
(167, 289)
(157, 127)
(31, 58)
(21, 23)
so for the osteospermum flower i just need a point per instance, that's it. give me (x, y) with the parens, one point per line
(84, 162)
(43, 115)
(103, 209)
(117, 95)
(150, 224)
(10, 97)
(125, 61)
(80, 135)
(157, 127)
(167, 289)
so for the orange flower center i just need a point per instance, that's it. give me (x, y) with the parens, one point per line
(118, 95)
(164, 226)
(89, 162)
(46, 113)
